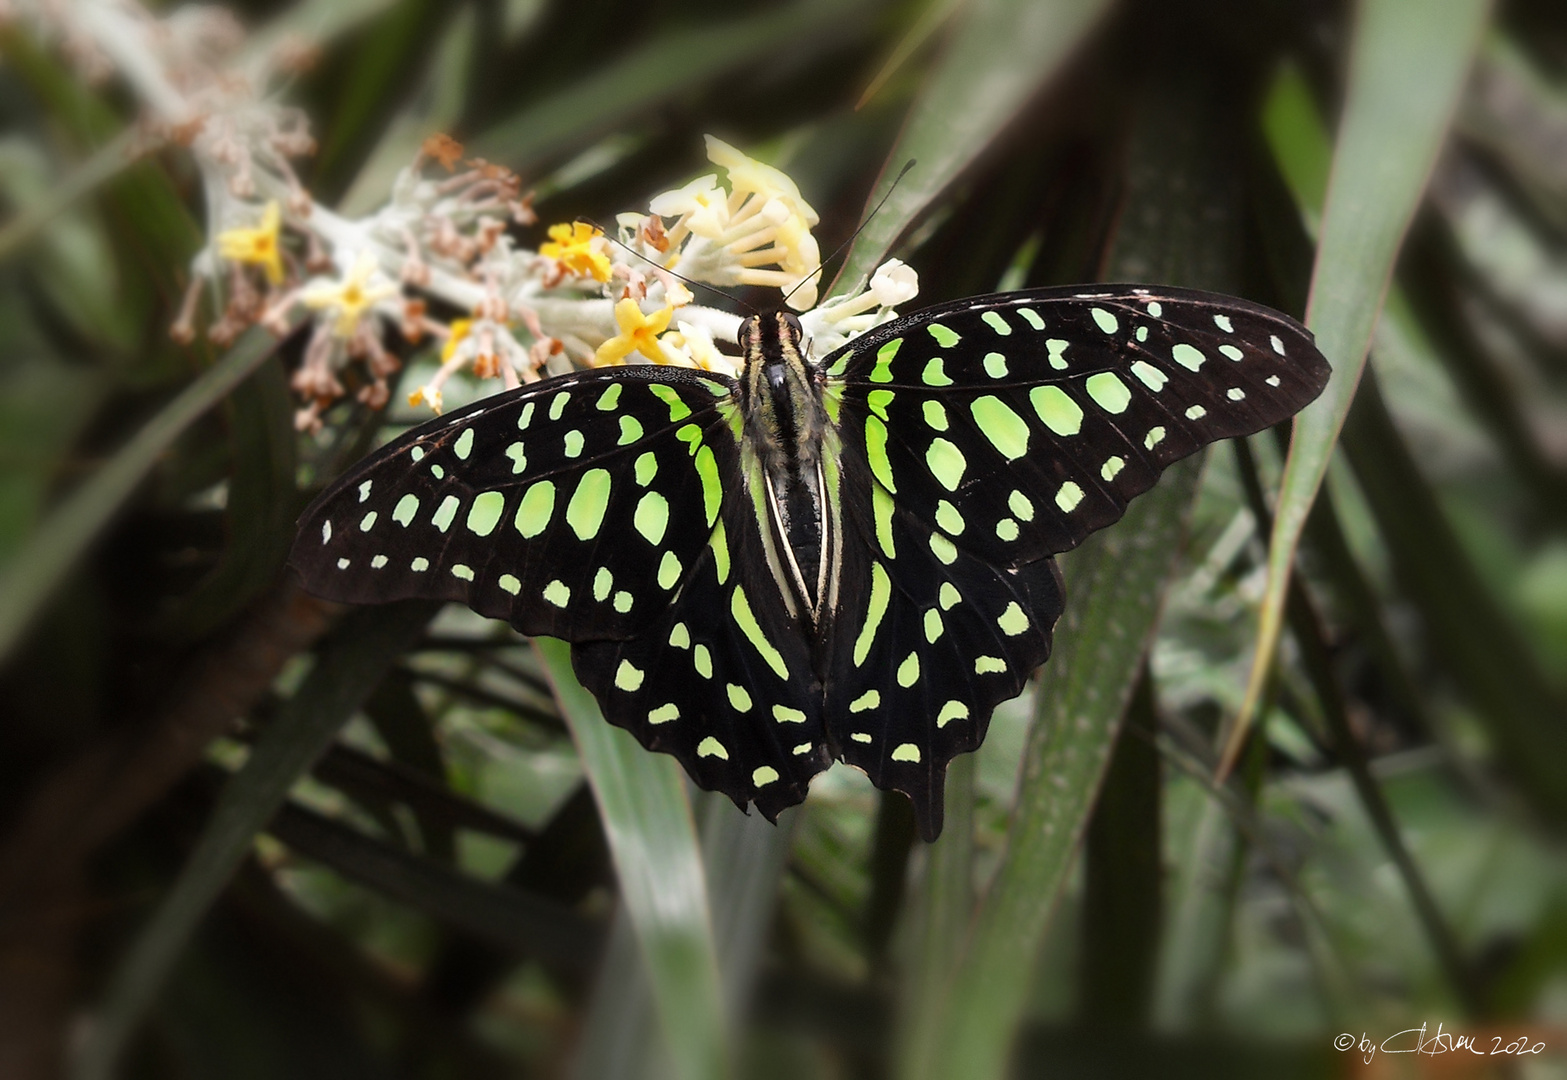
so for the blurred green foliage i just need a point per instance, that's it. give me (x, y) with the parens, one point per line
(242, 835)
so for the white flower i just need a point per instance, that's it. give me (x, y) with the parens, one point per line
(894, 283)
(836, 321)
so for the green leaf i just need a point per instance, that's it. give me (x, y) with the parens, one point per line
(1407, 66)
(647, 820)
(1114, 585)
(364, 646)
(1180, 161)
(939, 921)
(745, 857)
(1000, 54)
(660, 69)
(65, 534)
(1481, 649)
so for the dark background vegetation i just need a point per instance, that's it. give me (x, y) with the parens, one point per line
(436, 897)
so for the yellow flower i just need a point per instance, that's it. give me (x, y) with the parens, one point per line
(638, 333)
(258, 246)
(459, 330)
(350, 299)
(571, 246)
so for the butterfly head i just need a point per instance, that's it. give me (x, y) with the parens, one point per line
(769, 334)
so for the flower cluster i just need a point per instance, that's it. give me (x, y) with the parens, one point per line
(447, 240)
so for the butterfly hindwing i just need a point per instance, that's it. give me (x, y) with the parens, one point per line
(930, 639)
(723, 678)
(568, 508)
(1020, 423)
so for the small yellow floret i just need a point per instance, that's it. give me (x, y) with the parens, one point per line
(350, 299)
(638, 333)
(459, 331)
(258, 246)
(571, 245)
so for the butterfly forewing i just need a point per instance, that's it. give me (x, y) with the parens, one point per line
(1018, 424)
(568, 508)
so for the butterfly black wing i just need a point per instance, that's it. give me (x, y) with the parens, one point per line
(982, 437)
(600, 508)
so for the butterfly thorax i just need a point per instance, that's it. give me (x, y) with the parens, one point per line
(785, 423)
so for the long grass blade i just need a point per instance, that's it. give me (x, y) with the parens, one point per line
(652, 837)
(659, 69)
(1407, 65)
(1001, 52)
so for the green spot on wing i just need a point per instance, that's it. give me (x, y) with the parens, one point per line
(740, 608)
(1056, 411)
(945, 336)
(1012, 621)
(609, 398)
(535, 509)
(876, 451)
(585, 511)
(1069, 496)
(943, 549)
(652, 517)
(720, 545)
(669, 570)
(1006, 430)
(881, 510)
(646, 468)
(678, 410)
(486, 512)
(712, 487)
(628, 677)
(630, 429)
(1108, 391)
(934, 375)
(946, 463)
(881, 594)
(1188, 356)
(446, 512)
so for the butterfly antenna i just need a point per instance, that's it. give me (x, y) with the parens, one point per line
(907, 165)
(665, 269)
